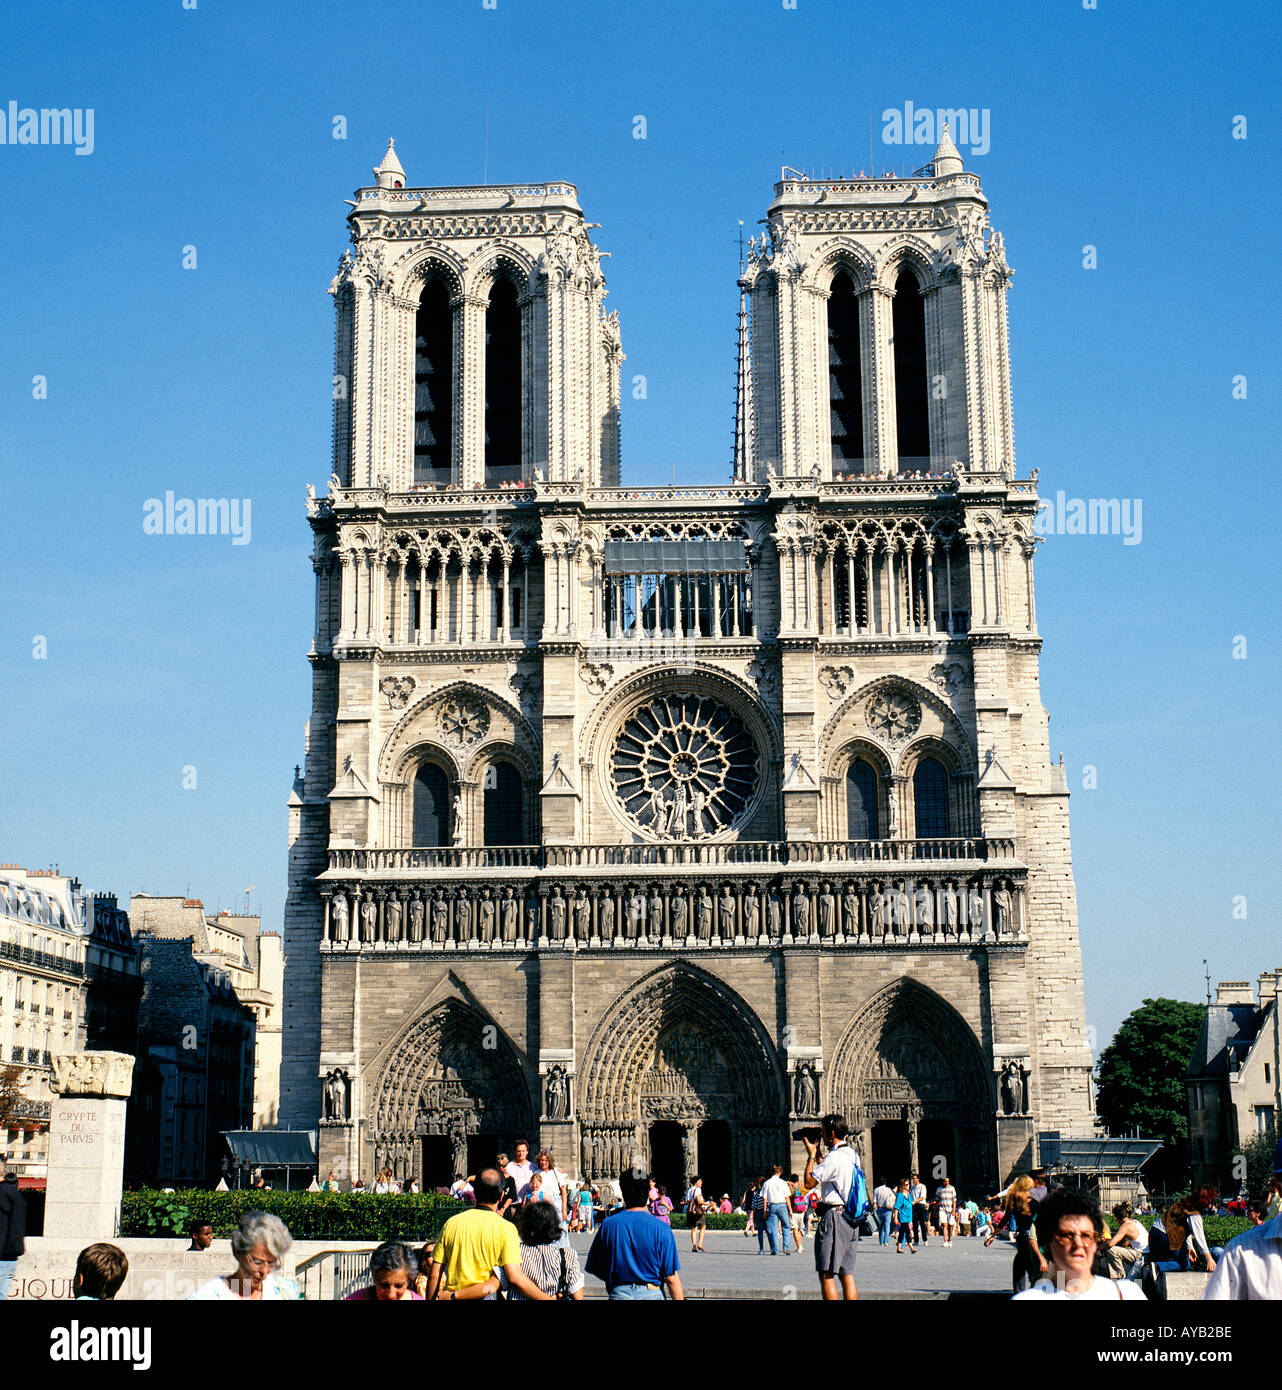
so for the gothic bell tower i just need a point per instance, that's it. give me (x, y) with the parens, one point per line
(879, 328)
(471, 346)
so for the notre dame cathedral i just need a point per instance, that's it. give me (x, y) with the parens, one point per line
(661, 820)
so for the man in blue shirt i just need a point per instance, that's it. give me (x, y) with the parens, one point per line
(634, 1253)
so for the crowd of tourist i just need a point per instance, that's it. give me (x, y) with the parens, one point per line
(511, 1239)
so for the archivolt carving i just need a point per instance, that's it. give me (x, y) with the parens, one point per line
(906, 252)
(413, 270)
(841, 253)
(452, 1066)
(420, 724)
(921, 714)
(907, 1046)
(680, 1020)
(489, 261)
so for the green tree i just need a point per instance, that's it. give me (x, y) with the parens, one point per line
(1141, 1083)
(1259, 1154)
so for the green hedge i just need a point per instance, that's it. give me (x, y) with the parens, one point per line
(1219, 1229)
(309, 1215)
(716, 1221)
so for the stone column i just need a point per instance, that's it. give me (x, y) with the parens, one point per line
(87, 1144)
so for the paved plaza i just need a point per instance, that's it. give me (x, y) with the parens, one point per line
(731, 1268)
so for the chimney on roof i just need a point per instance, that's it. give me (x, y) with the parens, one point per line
(1234, 992)
(1268, 987)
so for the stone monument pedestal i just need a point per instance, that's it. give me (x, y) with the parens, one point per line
(87, 1145)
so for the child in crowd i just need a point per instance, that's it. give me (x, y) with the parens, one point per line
(100, 1271)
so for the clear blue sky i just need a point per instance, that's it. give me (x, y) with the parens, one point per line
(213, 128)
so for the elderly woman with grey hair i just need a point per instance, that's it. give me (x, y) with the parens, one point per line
(260, 1244)
(392, 1270)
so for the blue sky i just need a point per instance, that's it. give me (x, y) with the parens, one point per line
(213, 129)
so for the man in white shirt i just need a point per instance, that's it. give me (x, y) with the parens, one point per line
(520, 1170)
(883, 1202)
(1251, 1265)
(836, 1240)
(1069, 1227)
(777, 1194)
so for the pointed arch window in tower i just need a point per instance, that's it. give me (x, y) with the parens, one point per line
(911, 410)
(862, 822)
(503, 385)
(930, 797)
(433, 385)
(845, 376)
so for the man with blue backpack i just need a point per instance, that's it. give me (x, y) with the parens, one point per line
(843, 1204)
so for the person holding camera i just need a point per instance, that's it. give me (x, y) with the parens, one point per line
(836, 1238)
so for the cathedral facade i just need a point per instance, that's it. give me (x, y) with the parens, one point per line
(661, 820)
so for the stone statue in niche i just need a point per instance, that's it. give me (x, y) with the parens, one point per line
(975, 906)
(1003, 909)
(485, 915)
(369, 919)
(1012, 1089)
(462, 917)
(703, 916)
(774, 916)
(392, 915)
(801, 911)
(679, 910)
(416, 920)
(556, 915)
(338, 915)
(440, 918)
(636, 914)
(583, 915)
(726, 913)
(925, 899)
(336, 1097)
(751, 914)
(850, 910)
(807, 1092)
(877, 911)
(656, 912)
(605, 915)
(950, 908)
(827, 913)
(509, 912)
(558, 1098)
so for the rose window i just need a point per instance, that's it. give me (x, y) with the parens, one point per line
(684, 767)
(463, 722)
(894, 715)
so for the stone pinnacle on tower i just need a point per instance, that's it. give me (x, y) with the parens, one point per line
(947, 160)
(389, 173)
(743, 422)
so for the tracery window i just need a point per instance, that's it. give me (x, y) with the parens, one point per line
(862, 820)
(684, 767)
(432, 827)
(930, 798)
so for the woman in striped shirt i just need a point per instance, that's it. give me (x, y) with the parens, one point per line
(544, 1260)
